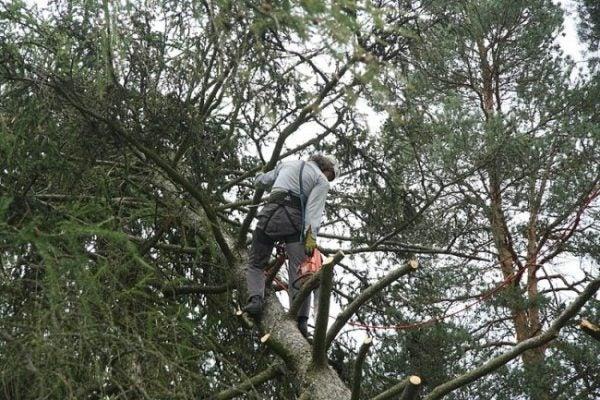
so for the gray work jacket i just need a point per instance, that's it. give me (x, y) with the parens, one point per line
(314, 186)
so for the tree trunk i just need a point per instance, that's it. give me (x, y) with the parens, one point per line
(526, 318)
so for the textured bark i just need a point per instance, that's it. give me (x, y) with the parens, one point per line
(319, 344)
(319, 384)
(392, 392)
(286, 340)
(412, 388)
(525, 319)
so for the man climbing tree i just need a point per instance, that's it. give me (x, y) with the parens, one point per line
(292, 214)
(130, 131)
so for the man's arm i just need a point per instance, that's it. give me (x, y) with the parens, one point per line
(266, 180)
(316, 204)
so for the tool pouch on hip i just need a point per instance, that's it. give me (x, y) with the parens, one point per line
(277, 220)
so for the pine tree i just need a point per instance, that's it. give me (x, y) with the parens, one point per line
(130, 136)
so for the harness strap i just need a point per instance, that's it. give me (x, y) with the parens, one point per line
(302, 210)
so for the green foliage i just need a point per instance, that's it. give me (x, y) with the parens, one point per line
(589, 29)
(486, 144)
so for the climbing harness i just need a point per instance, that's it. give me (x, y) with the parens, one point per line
(311, 264)
(302, 205)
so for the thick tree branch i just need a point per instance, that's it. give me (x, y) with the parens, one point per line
(278, 348)
(496, 362)
(408, 249)
(307, 287)
(360, 359)
(393, 391)
(271, 372)
(286, 341)
(365, 296)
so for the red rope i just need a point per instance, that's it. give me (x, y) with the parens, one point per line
(567, 232)
(434, 320)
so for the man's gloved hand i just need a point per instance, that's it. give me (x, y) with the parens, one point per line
(310, 243)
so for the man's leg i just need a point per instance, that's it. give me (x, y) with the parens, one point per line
(296, 256)
(260, 252)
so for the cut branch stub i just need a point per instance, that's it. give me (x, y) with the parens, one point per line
(246, 321)
(319, 353)
(412, 388)
(276, 347)
(590, 329)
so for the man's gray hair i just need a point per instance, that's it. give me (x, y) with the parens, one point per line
(324, 163)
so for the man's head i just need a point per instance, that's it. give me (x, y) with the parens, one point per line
(326, 165)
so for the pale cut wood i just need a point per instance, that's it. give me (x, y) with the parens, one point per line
(411, 390)
(590, 329)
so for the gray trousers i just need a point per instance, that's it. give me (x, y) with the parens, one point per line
(276, 223)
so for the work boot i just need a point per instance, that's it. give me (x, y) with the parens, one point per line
(303, 326)
(254, 306)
